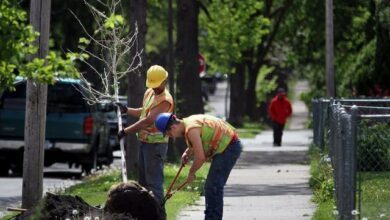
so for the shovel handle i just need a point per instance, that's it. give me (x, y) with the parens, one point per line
(16, 209)
(181, 186)
(175, 179)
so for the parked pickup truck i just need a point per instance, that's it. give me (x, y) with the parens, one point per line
(76, 133)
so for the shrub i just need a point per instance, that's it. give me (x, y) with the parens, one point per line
(373, 146)
(321, 180)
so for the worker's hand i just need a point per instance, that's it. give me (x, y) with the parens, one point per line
(184, 158)
(122, 107)
(121, 134)
(191, 177)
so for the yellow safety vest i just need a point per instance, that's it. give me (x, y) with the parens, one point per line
(216, 134)
(151, 134)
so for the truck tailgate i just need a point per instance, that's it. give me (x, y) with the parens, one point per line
(65, 126)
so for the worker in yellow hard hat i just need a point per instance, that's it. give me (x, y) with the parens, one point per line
(154, 144)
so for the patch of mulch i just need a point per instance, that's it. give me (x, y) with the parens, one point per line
(126, 201)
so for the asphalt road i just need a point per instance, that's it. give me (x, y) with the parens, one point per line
(55, 177)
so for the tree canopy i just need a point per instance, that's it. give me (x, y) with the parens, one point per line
(17, 44)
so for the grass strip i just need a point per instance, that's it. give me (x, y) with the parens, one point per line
(94, 189)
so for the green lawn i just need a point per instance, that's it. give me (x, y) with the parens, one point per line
(375, 195)
(95, 188)
(249, 130)
(375, 191)
(325, 211)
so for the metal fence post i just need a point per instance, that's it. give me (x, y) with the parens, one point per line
(321, 124)
(315, 103)
(348, 194)
(353, 155)
(325, 107)
(338, 152)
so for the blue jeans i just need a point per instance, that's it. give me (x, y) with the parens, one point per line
(151, 168)
(219, 172)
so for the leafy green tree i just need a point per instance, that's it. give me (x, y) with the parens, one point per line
(244, 40)
(361, 36)
(228, 44)
(16, 43)
(224, 41)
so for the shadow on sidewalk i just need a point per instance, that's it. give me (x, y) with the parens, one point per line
(254, 159)
(238, 190)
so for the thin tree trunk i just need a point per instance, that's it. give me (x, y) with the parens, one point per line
(251, 108)
(237, 95)
(382, 56)
(35, 122)
(136, 81)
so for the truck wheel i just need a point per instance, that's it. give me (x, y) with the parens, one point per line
(109, 155)
(92, 164)
(4, 168)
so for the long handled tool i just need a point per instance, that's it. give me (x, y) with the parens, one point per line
(169, 191)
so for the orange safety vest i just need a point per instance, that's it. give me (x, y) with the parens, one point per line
(216, 134)
(151, 134)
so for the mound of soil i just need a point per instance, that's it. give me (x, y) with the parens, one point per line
(133, 198)
(126, 201)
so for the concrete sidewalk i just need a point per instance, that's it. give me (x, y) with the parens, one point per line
(269, 182)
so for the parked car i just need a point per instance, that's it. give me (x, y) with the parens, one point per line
(76, 133)
(210, 82)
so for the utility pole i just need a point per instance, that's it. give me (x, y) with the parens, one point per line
(136, 81)
(171, 72)
(330, 79)
(171, 61)
(36, 102)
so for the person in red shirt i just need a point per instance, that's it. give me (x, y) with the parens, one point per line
(279, 110)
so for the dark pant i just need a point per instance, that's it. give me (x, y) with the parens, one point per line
(219, 172)
(151, 169)
(278, 133)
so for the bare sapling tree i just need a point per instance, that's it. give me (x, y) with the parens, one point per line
(110, 45)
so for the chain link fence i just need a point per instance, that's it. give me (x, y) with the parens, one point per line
(356, 134)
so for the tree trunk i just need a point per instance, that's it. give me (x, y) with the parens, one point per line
(277, 17)
(382, 56)
(237, 95)
(171, 155)
(35, 122)
(251, 108)
(136, 81)
(189, 99)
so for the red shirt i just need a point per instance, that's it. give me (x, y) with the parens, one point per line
(280, 109)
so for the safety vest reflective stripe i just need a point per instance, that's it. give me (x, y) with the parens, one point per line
(151, 134)
(216, 138)
(216, 134)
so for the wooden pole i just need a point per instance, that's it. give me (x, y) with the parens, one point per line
(136, 82)
(170, 51)
(330, 79)
(35, 122)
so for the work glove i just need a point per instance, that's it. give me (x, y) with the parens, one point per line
(122, 107)
(121, 134)
(184, 158)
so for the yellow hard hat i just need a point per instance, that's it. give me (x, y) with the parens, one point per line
(155, 76)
